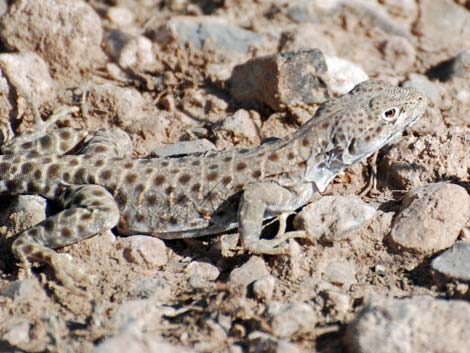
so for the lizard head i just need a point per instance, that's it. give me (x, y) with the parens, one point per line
(359, 123)
(382, 112)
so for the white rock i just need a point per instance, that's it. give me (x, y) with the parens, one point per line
(338, 272)
(289, 319)
(343, 74)
(120, 16)
(145, 250)
(130, 51)
(255, 268)
(334, 217)
(414, 325)
(399, 52)
(202, 269)
(263, 288)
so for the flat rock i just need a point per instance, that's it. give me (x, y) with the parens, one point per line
(454, 262)
(69, 31)
(339, 272)
(292, 318)
(133, 341)
(334, 217)
(418, 325)
(208, 33)
(255, 268)
(281, 80)
(24, 212)
(432, 218)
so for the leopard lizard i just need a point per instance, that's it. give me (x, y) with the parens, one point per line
(102, 187)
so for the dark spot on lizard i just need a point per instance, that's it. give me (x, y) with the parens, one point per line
(64, 134)
(290, 155)
(131, 178)
(185, 178)
(212, 176)
(53, 171)
(105, 174)
(241, 166)
(181, 199)
(151, 200)
(165, 164)
(98, 193)
(66, 233)
(196, 187)
(256, 173)
(305, 142)
(169, 190)
(273, 157)
(226, 180)
(99, 163)
(196, 162)
(228, 159)
(159, 180)
(45, 142)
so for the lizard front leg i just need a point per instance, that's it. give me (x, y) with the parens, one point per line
(263, 199)
(88, 210)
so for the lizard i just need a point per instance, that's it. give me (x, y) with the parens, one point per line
(100, 186)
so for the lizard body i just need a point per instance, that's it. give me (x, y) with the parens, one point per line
(198, 194)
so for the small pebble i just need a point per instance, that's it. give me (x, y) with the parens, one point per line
(339, 272)
(263, 288)
(145, 250)
(289, 319)
(255, 268)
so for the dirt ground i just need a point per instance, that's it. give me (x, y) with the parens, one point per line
(160, 70)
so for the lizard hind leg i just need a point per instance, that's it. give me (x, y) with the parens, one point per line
(89, 209)
(260, 198)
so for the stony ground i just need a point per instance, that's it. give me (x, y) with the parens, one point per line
(387, 271)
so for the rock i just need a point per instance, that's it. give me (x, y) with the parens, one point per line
(183, 148)
(134, 341)
(338, 272)
(340, 302)
(200, 273)
(120, 16)
(418, 325)
(130, 51)
(260, 342)
(69, 33)
(290, 319)
(456, 67)
(155, 287)
(18, 335)
(333, 217)
(343, 75)
(24, 212)
(438, 155)
(239, 128)
(442, 35)
(122, 106)
(306, 36)
(399, 52)
(29, 75)
(145, 250)
(263, 288)
(281, 80)
(432, 218)
(454, 262)
(255, 268)
(208, 33)
(22, 290)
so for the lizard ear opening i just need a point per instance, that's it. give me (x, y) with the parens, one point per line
(391, 114)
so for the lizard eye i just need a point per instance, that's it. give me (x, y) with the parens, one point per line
(390, 114)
